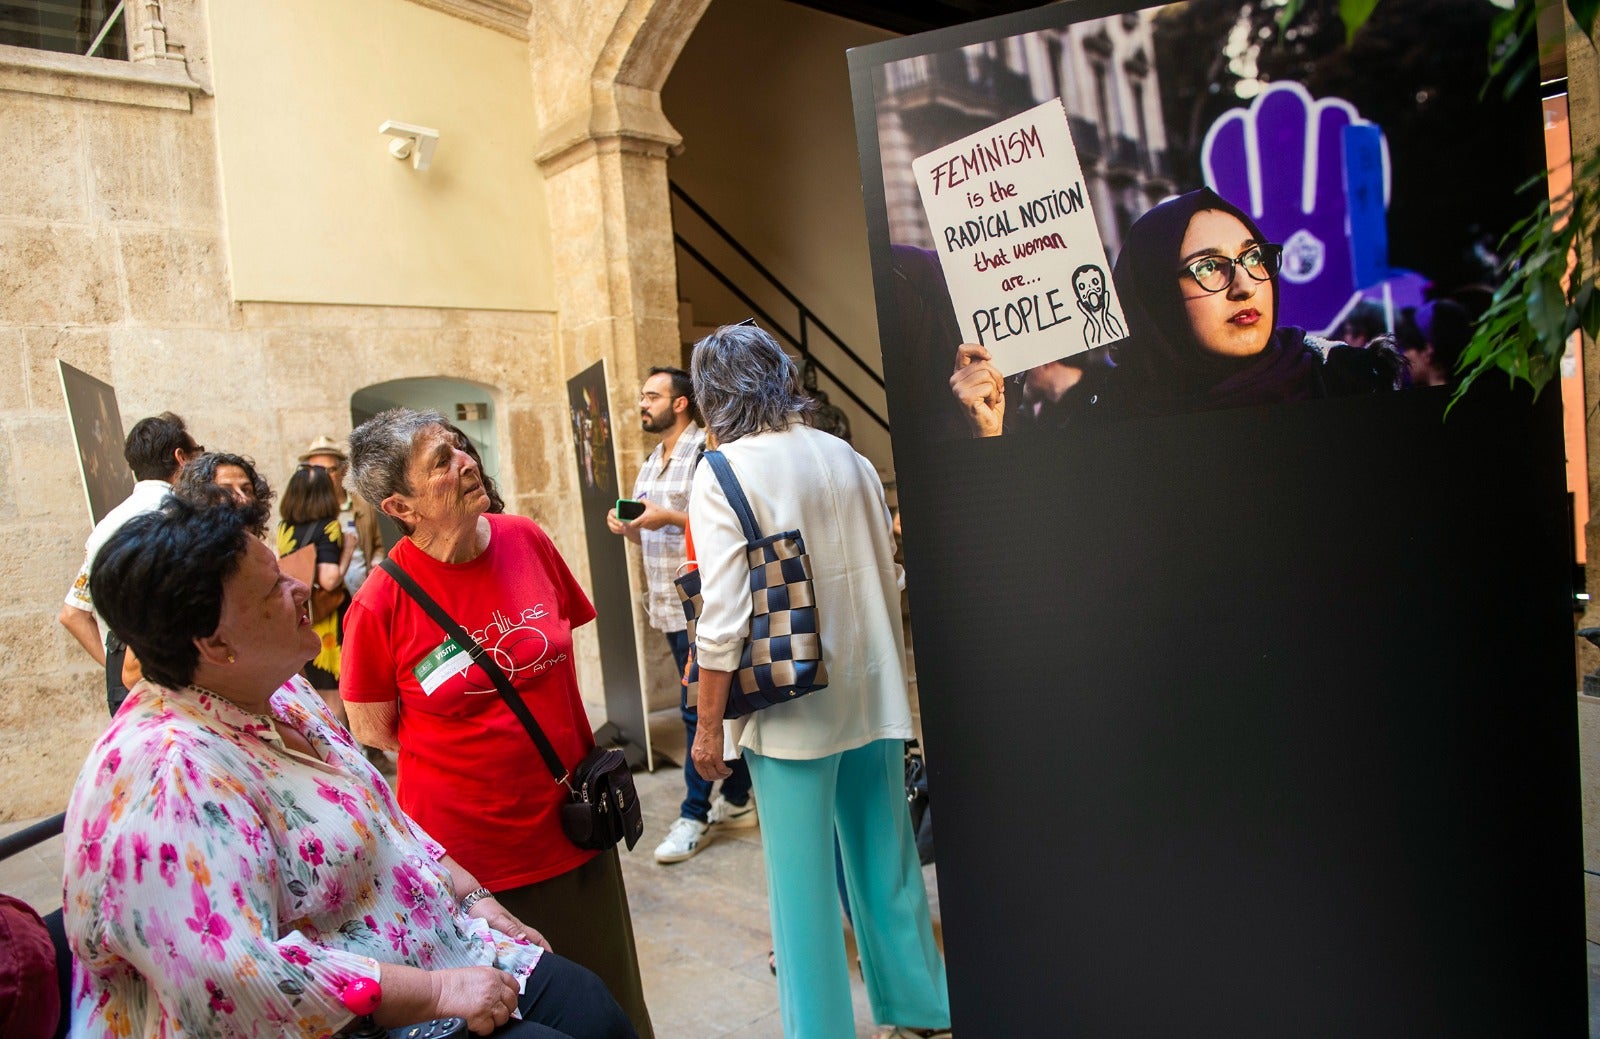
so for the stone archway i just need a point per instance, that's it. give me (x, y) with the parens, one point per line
(472, 407)
(604, 152)
(601, 65)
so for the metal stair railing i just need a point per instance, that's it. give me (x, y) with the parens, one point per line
(807, 318)
(28, 836)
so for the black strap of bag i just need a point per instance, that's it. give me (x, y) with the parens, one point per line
(479, 656)
(735, 493)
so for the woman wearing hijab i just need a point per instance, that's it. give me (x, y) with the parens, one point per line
(1198, 283)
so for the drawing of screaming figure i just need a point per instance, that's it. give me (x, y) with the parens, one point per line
(1094, 299)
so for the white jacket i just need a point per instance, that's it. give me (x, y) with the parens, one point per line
(812, 481)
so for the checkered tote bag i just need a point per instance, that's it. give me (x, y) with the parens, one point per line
(782, 658)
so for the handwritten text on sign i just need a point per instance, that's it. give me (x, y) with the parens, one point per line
(1016, 235)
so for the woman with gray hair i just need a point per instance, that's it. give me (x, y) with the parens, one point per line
(465, 772)
(831, 762)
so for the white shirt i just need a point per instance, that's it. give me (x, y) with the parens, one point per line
(147, 496)
(805, 479)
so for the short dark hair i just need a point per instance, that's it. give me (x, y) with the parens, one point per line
(1367, 318)
(682, 385)
(308, 496)
(152, 443)
(202, 472)
(158, 580)
(1447, 326)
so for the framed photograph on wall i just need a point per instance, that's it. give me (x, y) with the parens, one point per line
(1008, 167)
(97, 432)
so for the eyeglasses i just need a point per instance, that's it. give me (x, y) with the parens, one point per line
(1215, 273)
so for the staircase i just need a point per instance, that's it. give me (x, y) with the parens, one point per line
(732, 285)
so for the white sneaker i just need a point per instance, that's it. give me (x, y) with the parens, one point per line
(682, 841)
(725, 815)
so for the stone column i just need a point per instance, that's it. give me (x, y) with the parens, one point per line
(604, 155)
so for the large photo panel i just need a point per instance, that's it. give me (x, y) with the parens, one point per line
(1246, 711)
(1379, 177)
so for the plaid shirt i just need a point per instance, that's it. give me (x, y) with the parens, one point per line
(666, 482)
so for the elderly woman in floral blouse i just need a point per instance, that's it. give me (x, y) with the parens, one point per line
(234, 866)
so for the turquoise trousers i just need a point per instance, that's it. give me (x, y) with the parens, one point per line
(860, 794)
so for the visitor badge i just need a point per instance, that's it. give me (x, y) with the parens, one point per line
(443, 664)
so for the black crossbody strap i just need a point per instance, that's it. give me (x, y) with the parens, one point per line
(735, 493)
(459, 635)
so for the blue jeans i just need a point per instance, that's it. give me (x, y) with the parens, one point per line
(697, 791)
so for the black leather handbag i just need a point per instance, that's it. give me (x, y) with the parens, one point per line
(602, 805)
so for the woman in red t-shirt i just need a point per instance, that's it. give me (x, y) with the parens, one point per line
(469, 772)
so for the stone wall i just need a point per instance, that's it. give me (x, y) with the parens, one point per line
(113, 258)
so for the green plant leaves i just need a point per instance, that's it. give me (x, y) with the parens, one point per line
(1354, 14)
(1525, 330)
(1584, 12)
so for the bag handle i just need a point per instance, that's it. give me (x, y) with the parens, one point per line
(479, 656)
(735, 493)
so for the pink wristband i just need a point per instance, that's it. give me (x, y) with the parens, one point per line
(362, 996)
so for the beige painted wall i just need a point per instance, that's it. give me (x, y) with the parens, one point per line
(318, 210)
(761, 95)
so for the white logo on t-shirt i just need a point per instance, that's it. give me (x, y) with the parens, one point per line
(517, 646)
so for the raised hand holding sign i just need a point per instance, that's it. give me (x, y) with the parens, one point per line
(1017, 240)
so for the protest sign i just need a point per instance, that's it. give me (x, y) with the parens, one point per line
(1016, 236)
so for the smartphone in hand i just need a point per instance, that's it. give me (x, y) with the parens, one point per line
(629, 509)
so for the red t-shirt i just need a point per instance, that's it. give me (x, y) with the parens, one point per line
(469, 772)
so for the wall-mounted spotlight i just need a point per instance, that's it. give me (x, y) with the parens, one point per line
(414, 142)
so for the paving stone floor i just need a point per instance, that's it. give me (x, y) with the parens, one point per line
(701, 925)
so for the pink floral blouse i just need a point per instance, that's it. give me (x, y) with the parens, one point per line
(219, 883)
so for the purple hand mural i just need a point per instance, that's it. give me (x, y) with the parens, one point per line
(1282, 161)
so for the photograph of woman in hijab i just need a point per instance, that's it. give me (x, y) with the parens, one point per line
(1199, 286)
(1200, 177)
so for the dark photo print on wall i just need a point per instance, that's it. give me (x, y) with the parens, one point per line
(1245, 674)
(1272, 209)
